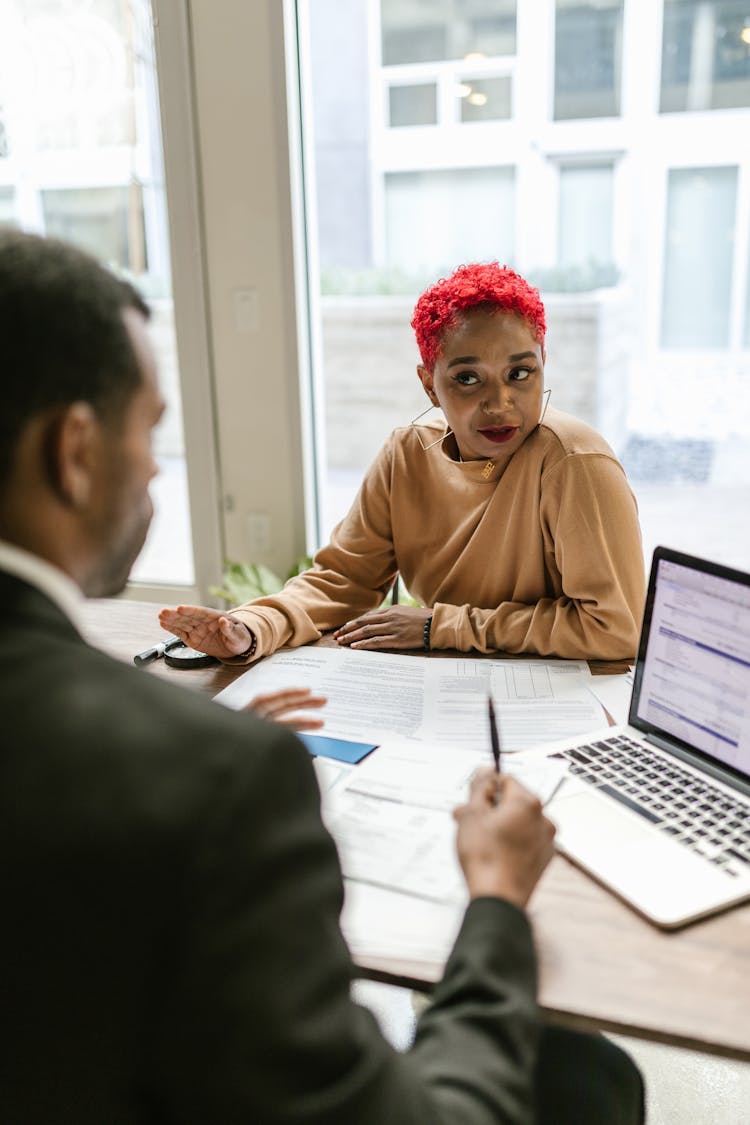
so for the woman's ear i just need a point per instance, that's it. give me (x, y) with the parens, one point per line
(426, 379)
(71, 453)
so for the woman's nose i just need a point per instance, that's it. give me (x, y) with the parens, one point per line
(499, 397)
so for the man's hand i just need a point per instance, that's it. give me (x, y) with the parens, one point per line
(284, 706)
(399, 626)
(504, 839)
(207, 630)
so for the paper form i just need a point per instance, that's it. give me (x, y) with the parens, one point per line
(535, 701)
(391, 816)
(380, 923)
(426, 776)
(396, 845)
(376, 696)
(614, 692)
(371, 695)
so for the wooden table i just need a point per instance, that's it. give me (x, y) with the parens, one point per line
(601, 965)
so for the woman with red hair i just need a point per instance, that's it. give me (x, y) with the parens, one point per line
(513, 524)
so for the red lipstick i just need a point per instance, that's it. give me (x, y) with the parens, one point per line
(499, 434)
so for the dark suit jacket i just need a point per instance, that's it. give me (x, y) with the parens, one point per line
(169, 941)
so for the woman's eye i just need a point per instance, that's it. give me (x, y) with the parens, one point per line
(466, 378)
(518, 374)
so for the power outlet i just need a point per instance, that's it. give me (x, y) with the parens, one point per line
(258, 533)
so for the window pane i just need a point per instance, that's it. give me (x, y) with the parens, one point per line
(585, 217)
(407, 214)
(7, 205)
(106, 221)
(588, 43)
(413, 105)
(3, 134)
(705, 55)
(413, 31)
(486, 99)
(436, 219)
(81, 140)
(698, 258)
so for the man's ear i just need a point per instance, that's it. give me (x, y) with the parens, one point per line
(72, 445)
(426, 379)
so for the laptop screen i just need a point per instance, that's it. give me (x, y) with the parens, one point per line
(692, 680)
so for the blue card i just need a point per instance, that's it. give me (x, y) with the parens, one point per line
(320, 745)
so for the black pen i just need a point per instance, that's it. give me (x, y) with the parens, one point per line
(494, 736)
(158, 650)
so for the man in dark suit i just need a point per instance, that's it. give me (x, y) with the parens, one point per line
(170, 947)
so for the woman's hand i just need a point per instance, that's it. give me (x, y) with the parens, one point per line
(399, 626)
(207, 630)
(280, 707)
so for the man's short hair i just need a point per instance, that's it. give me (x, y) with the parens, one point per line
(483, 285)
(62, 334)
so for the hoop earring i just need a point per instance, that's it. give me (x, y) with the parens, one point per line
(437, 441)
(546, 395)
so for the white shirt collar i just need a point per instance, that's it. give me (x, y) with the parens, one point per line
(58, 586)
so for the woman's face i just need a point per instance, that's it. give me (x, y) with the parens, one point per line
(488, 381)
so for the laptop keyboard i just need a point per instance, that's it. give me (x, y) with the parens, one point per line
(694, 812)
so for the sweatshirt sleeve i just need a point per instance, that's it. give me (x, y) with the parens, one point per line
(349, 576)
(589, 523)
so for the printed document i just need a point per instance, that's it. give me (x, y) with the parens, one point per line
(375, 696)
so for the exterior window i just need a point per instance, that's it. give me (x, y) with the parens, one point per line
(106, 221)
(705, 55)
(585, 216)
(7, 200)
(414, 32)
(420, 239)
(80, 159)
(485, 99)
(3, 136)
(698, 258)
(413, 105)
(588, 49)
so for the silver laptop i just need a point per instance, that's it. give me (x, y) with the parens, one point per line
(659, 809)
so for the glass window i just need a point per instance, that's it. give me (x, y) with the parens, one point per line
(436, 219)
(485, 99)
(698, 252)
(705, 55)
(3, 135)
(637, 324)
(588, 46)
(413, 105)
(106, 221)
(80, 110)
(585, 216)
(413, 31)
(7, 205)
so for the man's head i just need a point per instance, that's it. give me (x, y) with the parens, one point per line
(79, 401)
(489, 287)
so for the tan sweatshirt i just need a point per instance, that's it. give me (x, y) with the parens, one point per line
(542, 555)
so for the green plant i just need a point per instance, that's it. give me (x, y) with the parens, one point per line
(242, 582)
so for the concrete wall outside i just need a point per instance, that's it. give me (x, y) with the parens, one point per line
(370, 358)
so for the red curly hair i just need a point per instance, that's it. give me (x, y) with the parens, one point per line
(488, 285)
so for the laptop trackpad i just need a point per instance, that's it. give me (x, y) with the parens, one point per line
(662, 879)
